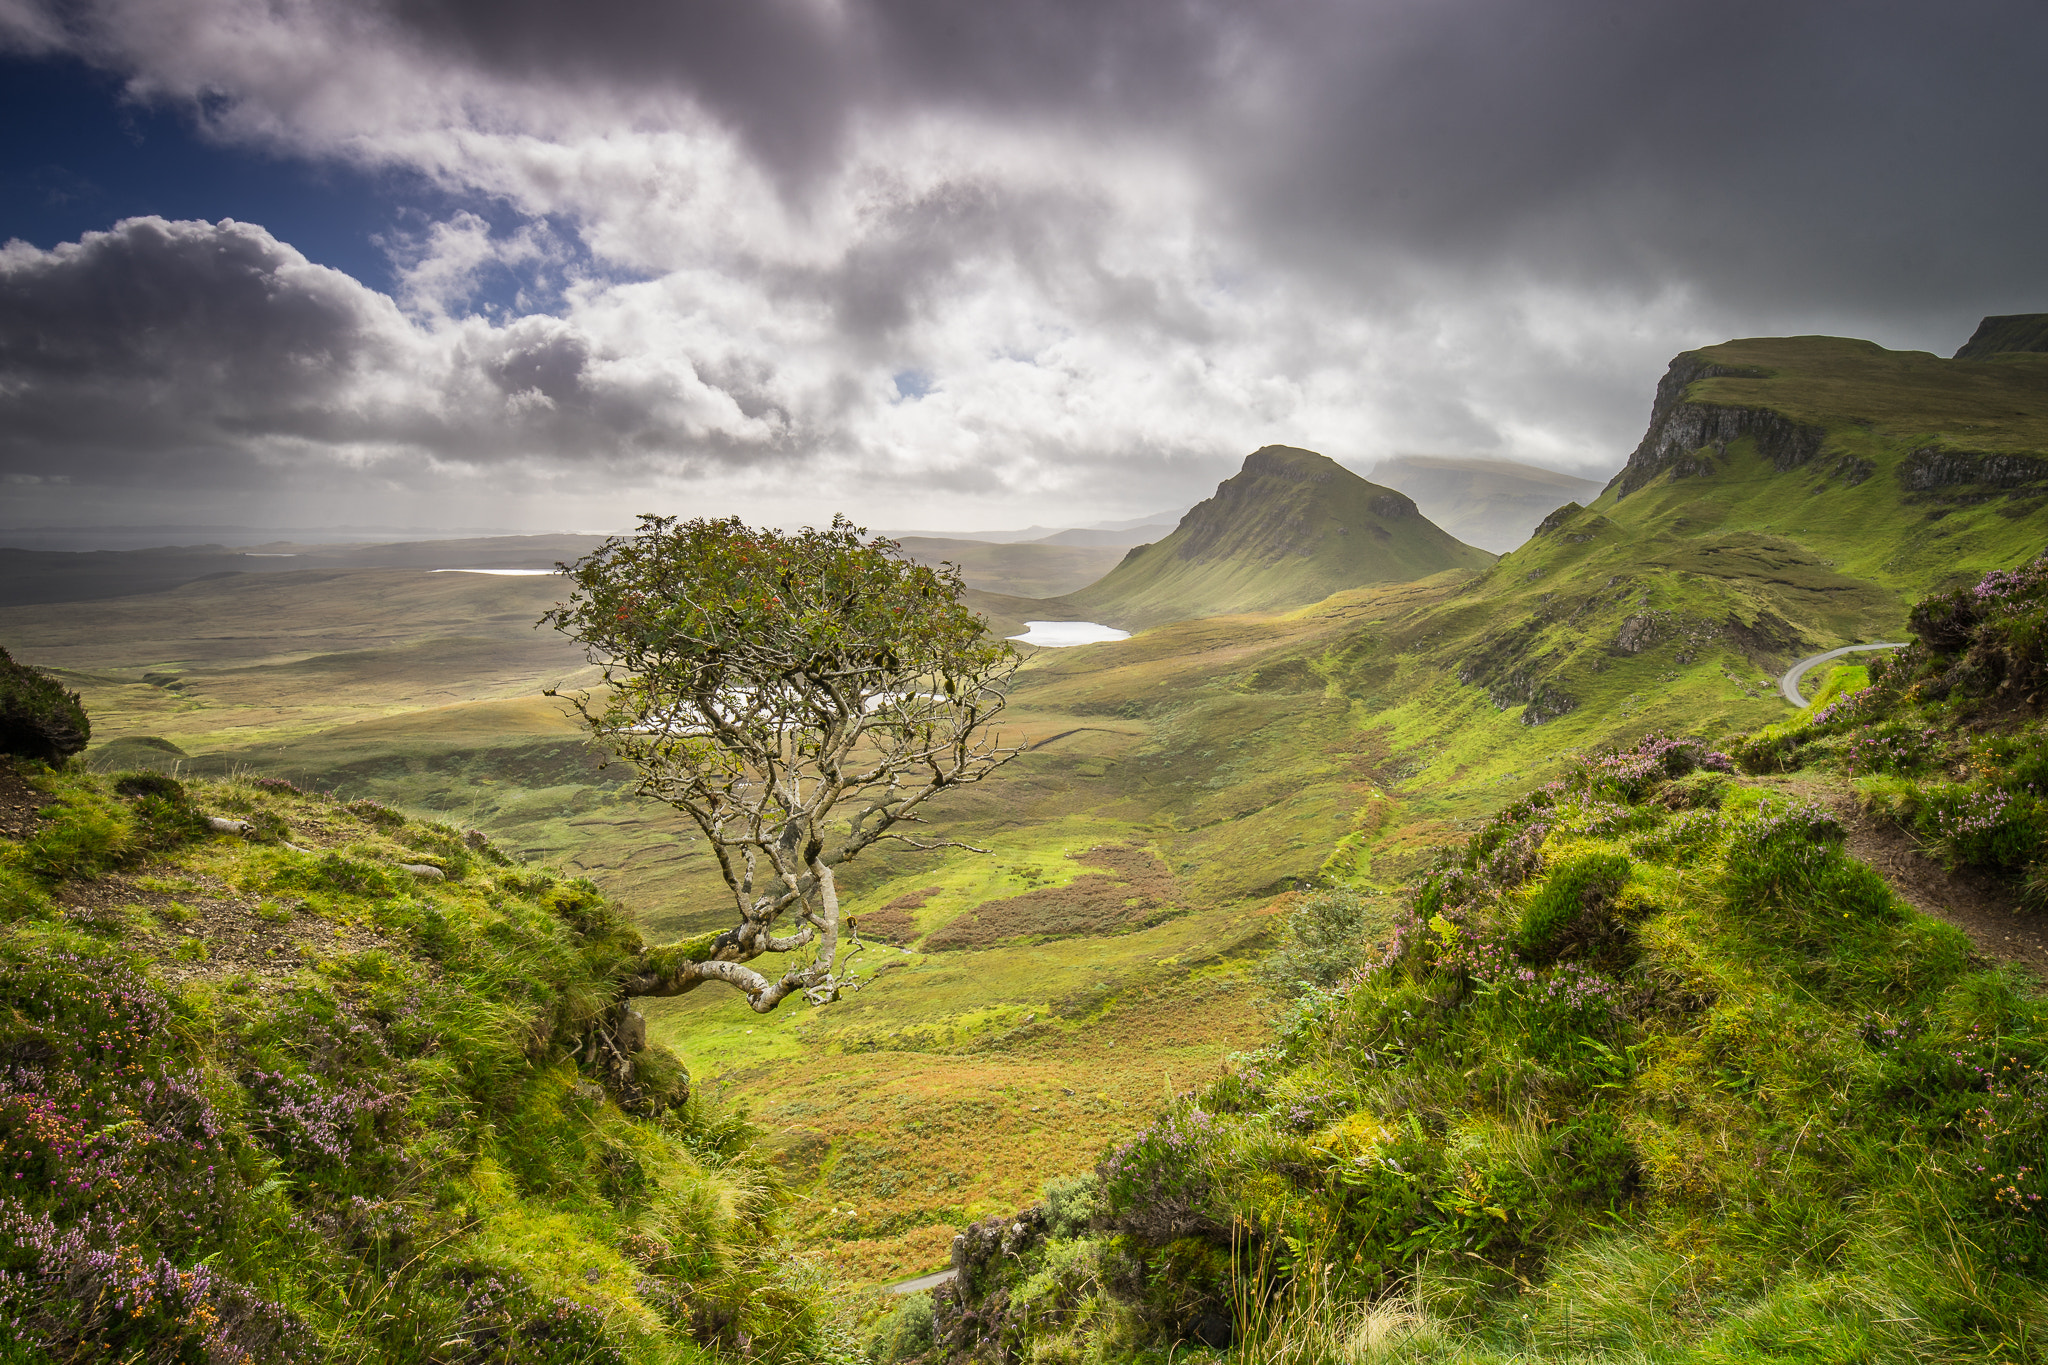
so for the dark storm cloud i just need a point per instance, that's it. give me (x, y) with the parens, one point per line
(789, 74)
(1876, 155)
(1842, 150)
(1107, 245)
(163, 339)
(195, 352)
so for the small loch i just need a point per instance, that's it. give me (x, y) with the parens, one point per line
(1066, 634)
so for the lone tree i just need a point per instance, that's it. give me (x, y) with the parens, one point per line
(801, 698)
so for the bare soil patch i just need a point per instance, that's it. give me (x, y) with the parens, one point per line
(205, 930)
(1981, 906)
(18, 804)
(1134, 890)
(894, 923)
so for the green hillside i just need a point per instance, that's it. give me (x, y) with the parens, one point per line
(1288, 529)
(1653, 1066)
(287, 1079)
(1790, 495)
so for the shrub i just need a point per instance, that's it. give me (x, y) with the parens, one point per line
(1985, 827)
(1569, 909)
(1158, 1185)
(1892, 747)
(1071, 1203)
(1773, 749)
(1324, 940)
(1787, 868)
(905, 1333)
(38, 718)
(1629, 774)
(148, 783)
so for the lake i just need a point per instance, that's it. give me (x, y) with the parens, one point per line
(1066, 634)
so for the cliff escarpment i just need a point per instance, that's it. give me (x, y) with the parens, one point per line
(1686, 438)
(2006, 334)
(1939, 435)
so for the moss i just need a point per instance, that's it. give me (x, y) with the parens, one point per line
(385, 1151)
(668, 958)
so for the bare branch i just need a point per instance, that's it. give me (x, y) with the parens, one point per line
(759, 683)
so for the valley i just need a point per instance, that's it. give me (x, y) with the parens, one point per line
(1321, 688)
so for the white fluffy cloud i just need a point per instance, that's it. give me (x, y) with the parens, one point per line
(925, 261)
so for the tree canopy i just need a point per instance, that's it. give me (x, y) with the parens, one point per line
(800, 697)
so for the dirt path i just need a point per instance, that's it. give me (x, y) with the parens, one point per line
(18, 803)
(1980, 906)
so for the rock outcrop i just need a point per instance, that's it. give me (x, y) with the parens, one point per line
(1685, 438)
(1932, 467)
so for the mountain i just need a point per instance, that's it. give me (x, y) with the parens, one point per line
(1288, 529)
(2005, 335)
(1493, 504)
(1790, 494)
(1120, 538)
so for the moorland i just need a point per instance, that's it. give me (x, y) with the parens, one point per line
(1326, 697)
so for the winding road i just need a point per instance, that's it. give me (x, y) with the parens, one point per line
(921, 1282)
(1789, 684)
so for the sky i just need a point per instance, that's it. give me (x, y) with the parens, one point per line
(533, 265)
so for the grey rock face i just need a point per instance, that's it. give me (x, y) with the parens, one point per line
(1932, 467)
(1682, 433)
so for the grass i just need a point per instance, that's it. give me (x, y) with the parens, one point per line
(313, 1108)
(1290, 529)
(1731, 1100)
(1648, 1069)
(1342, 743)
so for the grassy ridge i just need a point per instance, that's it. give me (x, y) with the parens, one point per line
(1649, 1069)
(273, 1096)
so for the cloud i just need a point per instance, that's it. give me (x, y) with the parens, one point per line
(191, 352)
(1117, 242)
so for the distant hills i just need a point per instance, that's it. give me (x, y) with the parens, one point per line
(1133, 531)
(1494, 504)
(1290, 528)
(1037, 569)
(30, 576)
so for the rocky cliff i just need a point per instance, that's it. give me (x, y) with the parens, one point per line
(1686, 437)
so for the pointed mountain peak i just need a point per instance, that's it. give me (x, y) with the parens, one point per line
(1290, 527)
